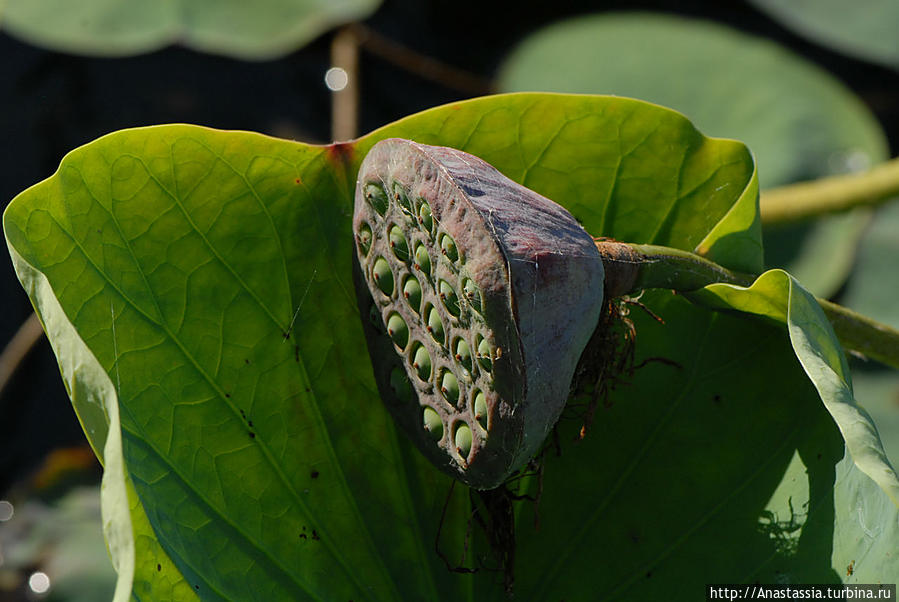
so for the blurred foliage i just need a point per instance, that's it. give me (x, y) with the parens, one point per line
(258, 30)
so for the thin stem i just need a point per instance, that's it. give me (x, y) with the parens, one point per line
(632, 267)
(830, 195)
(18, 347)
(345, 101)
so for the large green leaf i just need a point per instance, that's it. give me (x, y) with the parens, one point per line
(200, 281)
(800, 122)
(247, 30)
(866, 30)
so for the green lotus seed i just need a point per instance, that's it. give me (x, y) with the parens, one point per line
(421, 361)
(364, 238)
(463, 439)
(462, 353)
(412, 293)
(471, 292)
(449, 386)
(400, 384)
(374, 316)
(448, 296)
(398, 331)
(484, 354)
(401, 198)
(398, 243)
(383, 276)
(433, 424)
(377, 198)
(480, 408)
(424, 216)
(422, 259)
(448, 247)
(435, 324)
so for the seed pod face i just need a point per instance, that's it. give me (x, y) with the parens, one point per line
(489, 294)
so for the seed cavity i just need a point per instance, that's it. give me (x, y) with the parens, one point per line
(421, 361)
(422, 259)
(480, 408)
(472, 293)
(398, 243)
(364, 238)
(463, 439)
(462, 353)
(400, 384)
(412, 293)
(383, 276)
(377, 198)
(448, 246)
(432, 423)
(374, 316)
(424, 216)
(449, 386)
(398, 331)
(448, 296)
(402, 199)
(484, 358)
(435, 324)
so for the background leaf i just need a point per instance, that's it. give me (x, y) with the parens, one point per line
(205, 249)
(799, 122)
(867, 31)
(258, 30)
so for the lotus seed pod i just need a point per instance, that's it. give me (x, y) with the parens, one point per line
(492, 343)
(397, 330)
(412, 293)
(398, 243)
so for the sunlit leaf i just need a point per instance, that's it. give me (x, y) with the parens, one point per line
(800, 122)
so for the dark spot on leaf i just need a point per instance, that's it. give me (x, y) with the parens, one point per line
(340, 152)
(286, 335)
(228, 395)
(314, 474)
(308, 389)
(158, 567)
(315, 536)
(250, 423)
(246, 361)
(252, 435)
(819, 455)
(302, 536)
(298, 181)
(717, 398)
(243, 415)
(648, 574)
(197, 587)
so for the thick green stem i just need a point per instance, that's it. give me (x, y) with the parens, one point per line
(829, 195)
(632, 267)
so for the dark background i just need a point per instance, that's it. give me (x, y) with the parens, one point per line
(51, 103)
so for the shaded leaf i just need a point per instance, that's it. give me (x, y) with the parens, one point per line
(800, 122)
(258, 30)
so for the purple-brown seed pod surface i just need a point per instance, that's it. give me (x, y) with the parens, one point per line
(478, 297)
